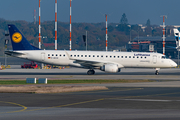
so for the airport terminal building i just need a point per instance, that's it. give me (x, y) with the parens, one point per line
(153, 44)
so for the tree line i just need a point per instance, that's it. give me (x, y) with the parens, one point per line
(118, 33)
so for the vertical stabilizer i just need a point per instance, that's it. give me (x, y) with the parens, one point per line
(19, 42)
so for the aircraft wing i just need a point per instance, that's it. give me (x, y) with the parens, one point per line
(92, 63)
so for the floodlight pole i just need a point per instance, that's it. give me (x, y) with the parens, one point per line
(164, 32)
(86, 40)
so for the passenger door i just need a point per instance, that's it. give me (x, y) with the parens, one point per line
(154, 59)
(43, 56)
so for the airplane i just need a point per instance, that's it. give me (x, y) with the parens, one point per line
(107, 61)
(177, 38)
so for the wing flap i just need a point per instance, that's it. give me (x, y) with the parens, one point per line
(92, 63)
(95, 63)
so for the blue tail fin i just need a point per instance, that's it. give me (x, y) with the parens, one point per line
(18, 41)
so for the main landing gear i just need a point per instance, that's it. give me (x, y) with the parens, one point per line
(91, 72)
(157, 71)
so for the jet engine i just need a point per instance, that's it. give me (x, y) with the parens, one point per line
(110, 68)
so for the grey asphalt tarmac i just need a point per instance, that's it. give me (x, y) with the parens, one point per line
(122, 101)
(77, 73)
(113, 104)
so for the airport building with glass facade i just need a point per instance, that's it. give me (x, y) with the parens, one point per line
(154, 44)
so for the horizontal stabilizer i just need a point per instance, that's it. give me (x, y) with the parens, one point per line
(11, 53)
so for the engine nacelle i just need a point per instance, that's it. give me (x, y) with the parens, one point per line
(110, 68)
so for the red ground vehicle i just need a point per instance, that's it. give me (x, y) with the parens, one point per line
(32, 64)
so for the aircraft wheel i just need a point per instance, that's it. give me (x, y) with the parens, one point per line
(93, 72)
(90, 72)
(157, 72)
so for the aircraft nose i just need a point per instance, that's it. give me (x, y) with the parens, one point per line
(173, 64)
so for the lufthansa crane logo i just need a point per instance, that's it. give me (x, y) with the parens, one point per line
(17, 37)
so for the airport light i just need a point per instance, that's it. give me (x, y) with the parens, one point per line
(106, 32)
(5, 44)
(55, 24)
(39, 25)
(70, 29)
(164, 16)
(130, 32)
(86, 40)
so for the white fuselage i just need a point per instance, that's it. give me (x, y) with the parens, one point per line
(122, 59)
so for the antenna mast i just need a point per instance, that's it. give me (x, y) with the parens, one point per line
(164, 33)
(55, 24)
(34, 16)
(106, 32)
(39, 25)
(70, 29)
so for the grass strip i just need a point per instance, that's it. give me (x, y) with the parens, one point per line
(12, 82)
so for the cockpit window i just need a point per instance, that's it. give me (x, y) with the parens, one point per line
(164, 57)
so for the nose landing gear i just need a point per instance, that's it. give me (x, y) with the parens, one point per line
(157, 71)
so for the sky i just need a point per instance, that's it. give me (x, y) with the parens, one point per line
(93, 11)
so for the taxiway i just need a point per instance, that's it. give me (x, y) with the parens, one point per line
(137, 101)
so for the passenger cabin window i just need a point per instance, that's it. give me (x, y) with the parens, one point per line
(137, 57)
(97, 55)
(118, 56)
(93, 55)
(52, 54)
(64, 55)
(71, 55)
(56, 54)
(129, 56)
(110, 56)
(81, 55)
(48, 54)
(106, 56)
(89, 55)
(60, 55)
(74, 55)
(85, 55)
(121, 56)
(114, 56)
(77, 55)
(101, 55)
(133, 56)
(125, 56)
